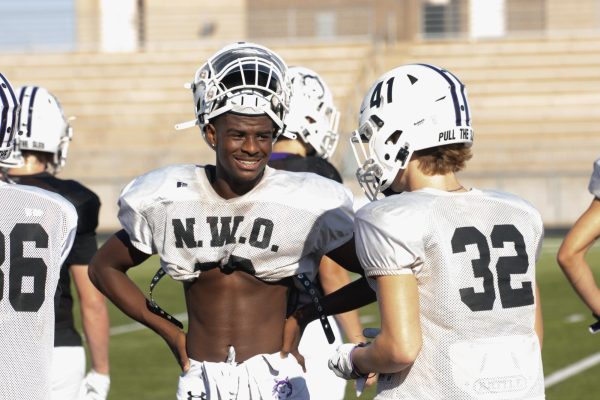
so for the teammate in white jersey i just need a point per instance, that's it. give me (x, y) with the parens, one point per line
(235, 233)
(454, 268)
(572, 252)
(41, 154)
(312, 127)
(37, 229)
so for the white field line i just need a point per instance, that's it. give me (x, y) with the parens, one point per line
(136, 326)
(549, 381)
(571, 370)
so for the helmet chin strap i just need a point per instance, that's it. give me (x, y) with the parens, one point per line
(389, 191)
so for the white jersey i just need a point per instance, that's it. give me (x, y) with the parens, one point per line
(282, 227)
(594, 186)
(473, 255)
(37, 229)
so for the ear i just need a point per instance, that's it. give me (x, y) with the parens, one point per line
(211, 135)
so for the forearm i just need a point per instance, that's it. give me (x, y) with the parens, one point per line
(107, 271)
(96, 329)
(378, 357)
(124, 294)
(580, 275)
(399, 342)
(351, 326)
(94, 317)
(572, 252)
(587, 289)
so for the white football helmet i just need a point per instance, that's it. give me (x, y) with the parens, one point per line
(312, 114)
(9, 118)
(242, 78)
(412, 107)
(43, 126)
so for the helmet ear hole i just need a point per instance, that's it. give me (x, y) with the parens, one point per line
(376, 120)
(394, 137)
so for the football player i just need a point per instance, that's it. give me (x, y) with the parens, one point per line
(310, 138)
(454, 268)
(41, 153)
(235, 233)
(572, 252)
(37, 229)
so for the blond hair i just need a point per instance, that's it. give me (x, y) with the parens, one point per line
(442, 160)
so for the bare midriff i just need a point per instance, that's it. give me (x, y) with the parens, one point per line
(236, 310)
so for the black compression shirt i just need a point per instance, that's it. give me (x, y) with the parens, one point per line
(296, 163)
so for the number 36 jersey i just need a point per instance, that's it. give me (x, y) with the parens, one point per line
(282, 227)
(37, 229)
(473, 255)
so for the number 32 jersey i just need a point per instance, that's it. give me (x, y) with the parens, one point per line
(282, 227)
(473, 255)
(37, 229)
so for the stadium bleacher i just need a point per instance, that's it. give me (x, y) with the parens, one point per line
(534, 102)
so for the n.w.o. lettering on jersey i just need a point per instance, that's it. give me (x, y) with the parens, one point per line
(224, 231)
(227, 234)
(184, 235)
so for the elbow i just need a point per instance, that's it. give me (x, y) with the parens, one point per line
(565, 258)
(92, 273)
(402, 354)
(562, 257)
(94, 304)
(405, 356)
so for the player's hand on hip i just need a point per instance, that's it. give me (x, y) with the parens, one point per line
(95, 386)
(292, 333)
(177, 344)
(341, 363)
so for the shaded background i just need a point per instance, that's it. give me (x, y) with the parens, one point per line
(531, 68)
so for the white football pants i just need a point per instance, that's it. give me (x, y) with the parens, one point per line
(321, 381)
(68, 370)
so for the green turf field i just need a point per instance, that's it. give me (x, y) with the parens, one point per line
(142, 367)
